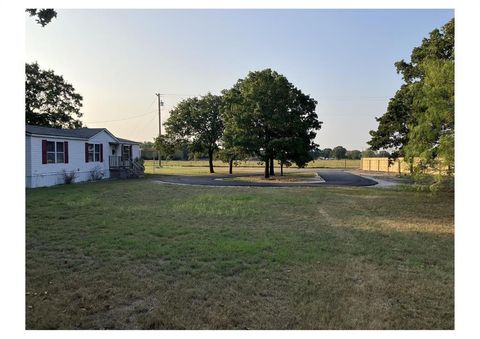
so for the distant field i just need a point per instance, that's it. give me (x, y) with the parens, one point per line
(217, 163)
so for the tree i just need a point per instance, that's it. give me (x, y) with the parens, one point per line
(316, 153)
(393, 127)
(43, 15)
(269, 118)
(231, 156)
(50, 100)
(165, 145)
(383, 154)
(354, 155)
(231, 150)
(146, 145)
(368, 153)
(432, 137)
(339, 152)
(197, 121)
(327, 153)
(299, 131)
(410, 106)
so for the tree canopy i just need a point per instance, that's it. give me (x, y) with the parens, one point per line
(50, 100)
(353, 155)
(43, 16)
(198, 122)
(339, 152)
(419, 121)
(326, 153)
(432, 136)
(270, 118)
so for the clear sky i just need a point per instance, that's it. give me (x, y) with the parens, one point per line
(118, 59)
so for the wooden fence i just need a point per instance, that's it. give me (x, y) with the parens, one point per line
(399, 166)
(382, 165)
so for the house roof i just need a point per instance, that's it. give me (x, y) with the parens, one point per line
(75, 133)
(126, 141)
(79, 133)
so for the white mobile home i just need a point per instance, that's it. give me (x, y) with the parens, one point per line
(51, 153)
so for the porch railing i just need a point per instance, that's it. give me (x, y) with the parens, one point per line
(117, 162)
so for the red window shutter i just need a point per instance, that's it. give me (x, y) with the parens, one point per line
(86, 152)
(101, 152)
(65, 150)
(44, 151)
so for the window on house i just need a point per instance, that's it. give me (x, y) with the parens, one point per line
(93, 152)
(50, 152)
(97, 152)
(60, 152)
(55, 152)
(126, 152)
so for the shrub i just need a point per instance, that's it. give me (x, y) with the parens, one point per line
(443, 184)
(69, 177)
(96, 173)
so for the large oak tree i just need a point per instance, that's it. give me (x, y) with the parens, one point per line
(198, 122)
(419, 118)
(50, 100)
(270, 118)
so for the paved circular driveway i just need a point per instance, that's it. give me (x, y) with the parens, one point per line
(330, 178)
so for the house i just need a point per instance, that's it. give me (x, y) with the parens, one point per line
(90, 153)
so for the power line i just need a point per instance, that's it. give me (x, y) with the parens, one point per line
(144, 125)
(122, 119)
(134, 117)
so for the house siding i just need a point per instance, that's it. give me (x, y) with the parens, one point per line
(135, 151)
(39, 175)
(28, 161)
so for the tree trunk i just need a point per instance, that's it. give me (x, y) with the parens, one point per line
(281, 168)
(267, 171)
(230, 166)
(210, 160)
(272, 170)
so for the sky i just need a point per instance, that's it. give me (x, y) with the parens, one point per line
(118, 59)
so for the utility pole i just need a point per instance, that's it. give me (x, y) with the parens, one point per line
(160, 104)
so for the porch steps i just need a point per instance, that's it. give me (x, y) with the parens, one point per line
(135, 171)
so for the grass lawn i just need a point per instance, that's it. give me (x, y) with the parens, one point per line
(137, 254)
(197, 170)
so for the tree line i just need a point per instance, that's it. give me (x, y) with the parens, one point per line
(262, 116)
(419, 121)
(340, 152)
(182, 152)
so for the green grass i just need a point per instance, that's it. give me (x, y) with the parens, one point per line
(196, 170)
(137, 254)
(200, 167)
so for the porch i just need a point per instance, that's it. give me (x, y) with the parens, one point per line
(116, 161)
